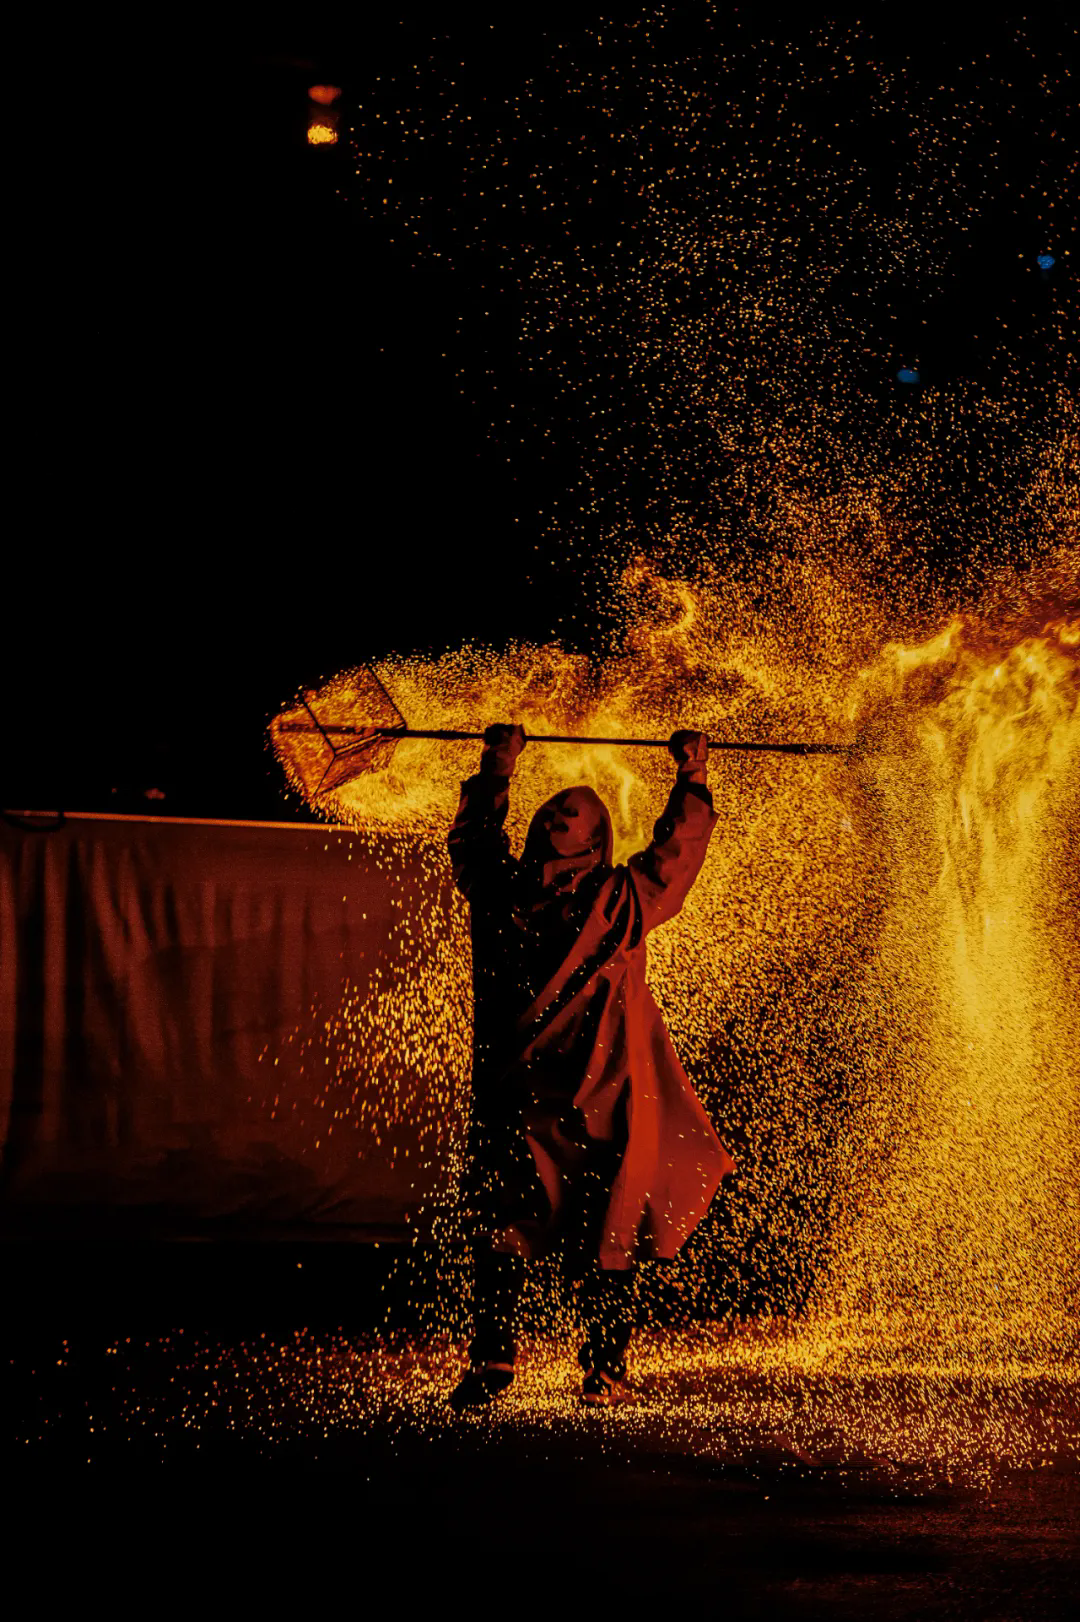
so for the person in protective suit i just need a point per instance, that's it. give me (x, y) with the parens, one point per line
(585, 1133)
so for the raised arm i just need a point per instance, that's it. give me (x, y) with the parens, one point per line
(664, 871)
(478, 844)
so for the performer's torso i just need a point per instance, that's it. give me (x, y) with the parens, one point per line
(516, 953)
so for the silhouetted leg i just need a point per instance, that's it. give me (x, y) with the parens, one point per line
(497, 1286)
(608, 1310)
(498, 1281)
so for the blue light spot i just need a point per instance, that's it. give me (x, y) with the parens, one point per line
(1045, 260)
(907, 374)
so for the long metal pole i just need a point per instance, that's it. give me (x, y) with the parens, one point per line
(374, 734)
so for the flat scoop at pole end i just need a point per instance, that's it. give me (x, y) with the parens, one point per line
(319, 740)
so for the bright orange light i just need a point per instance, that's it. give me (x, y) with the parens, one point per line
(321, 134)
(324, 94)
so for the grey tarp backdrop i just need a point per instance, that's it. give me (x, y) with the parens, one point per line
(144, 966)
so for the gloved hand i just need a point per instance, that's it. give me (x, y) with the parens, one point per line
(502, 745)
(690, 750)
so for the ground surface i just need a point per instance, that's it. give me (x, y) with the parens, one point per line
(201, 1412)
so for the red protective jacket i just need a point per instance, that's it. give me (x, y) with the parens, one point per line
(575, 1079)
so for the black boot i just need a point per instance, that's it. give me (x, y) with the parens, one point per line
(492, 1350)
(608, 1312)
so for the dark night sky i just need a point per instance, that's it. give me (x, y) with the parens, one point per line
(258, 468)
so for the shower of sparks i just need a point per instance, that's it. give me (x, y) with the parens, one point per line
(875, 983)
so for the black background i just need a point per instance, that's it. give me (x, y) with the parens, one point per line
(245, 456)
